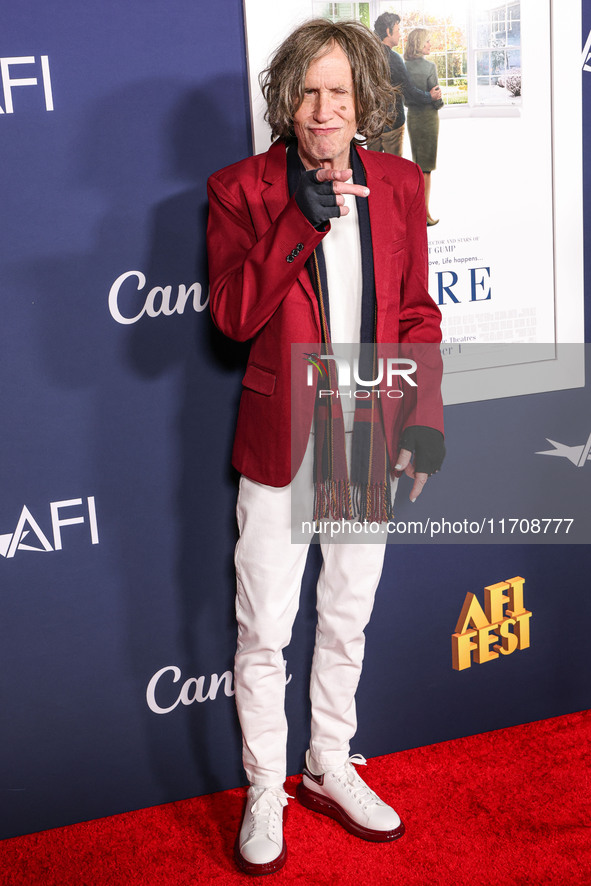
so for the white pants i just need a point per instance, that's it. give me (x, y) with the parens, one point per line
(269, 571)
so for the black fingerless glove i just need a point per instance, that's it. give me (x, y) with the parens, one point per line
(427, 445)
(316, 200)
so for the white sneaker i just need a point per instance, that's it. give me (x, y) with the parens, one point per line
(260, 847)
(343, 795)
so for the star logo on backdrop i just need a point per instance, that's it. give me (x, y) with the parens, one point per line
(578, 455)
(587, 54)
(6, 543)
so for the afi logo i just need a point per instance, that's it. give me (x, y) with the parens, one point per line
(10, 80)
(28, 535)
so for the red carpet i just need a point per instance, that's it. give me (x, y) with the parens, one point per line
(507, 807)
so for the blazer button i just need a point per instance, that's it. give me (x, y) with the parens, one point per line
(299, 247)
(289, 258)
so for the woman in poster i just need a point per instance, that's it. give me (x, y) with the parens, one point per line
(422, 120)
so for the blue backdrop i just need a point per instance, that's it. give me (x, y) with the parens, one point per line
(118, 402)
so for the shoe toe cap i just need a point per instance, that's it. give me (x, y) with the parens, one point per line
(260, 850)
(384, 818)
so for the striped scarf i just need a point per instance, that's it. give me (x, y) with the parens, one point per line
(364, 493)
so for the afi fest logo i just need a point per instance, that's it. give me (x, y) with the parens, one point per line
(10, 67)
(395, 367)
(29, 536)
(578, 455)
(478, 629)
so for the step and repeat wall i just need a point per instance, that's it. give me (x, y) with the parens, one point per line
(117, 497)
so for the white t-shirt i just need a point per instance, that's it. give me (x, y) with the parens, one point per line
(342, 256)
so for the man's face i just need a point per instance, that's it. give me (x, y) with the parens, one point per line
(393, 38)
(325, 122)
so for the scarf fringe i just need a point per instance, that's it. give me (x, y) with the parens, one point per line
(332, 498)
(338, 500)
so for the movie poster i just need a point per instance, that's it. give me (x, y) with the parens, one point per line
(501, 153)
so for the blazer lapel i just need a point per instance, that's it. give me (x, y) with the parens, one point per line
(275, 195)
(381, 204)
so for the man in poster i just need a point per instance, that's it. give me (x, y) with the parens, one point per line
(387, 27)
(313, 241)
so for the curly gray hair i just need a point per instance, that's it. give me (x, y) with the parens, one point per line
(282, 83)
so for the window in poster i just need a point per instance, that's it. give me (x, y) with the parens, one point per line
(505, 258)
(476, 47)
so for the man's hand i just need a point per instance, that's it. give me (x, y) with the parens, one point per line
(429, 452)
(404, 464)
(435, 93)
(319, 194)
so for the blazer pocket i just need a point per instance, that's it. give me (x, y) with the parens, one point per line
(260, 380)
(397, 245)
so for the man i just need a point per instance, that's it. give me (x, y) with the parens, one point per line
(268, 229)
(387, 27)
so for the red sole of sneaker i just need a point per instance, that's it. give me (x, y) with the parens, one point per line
(259, 870)
(317, 803)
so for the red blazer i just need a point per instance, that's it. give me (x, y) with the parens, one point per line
(258, 242)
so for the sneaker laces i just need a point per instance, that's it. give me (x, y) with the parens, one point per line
(266, 811)
(352, 781)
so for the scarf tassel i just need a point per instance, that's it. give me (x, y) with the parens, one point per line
(332, 499)
(338, 500)
(373, 502)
